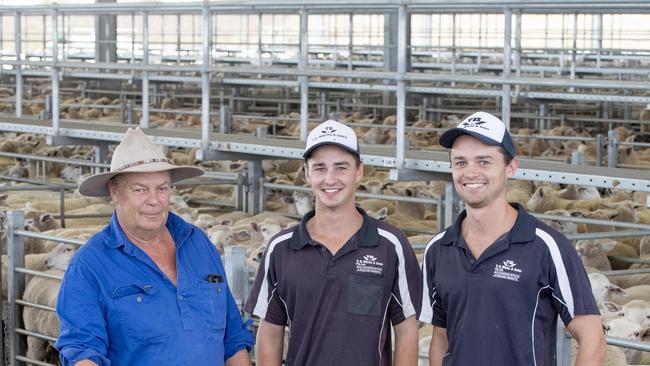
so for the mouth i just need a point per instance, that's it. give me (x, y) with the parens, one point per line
(331, 192)
(474, 185)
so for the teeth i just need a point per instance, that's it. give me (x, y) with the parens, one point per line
(474, 185)
(331, 190)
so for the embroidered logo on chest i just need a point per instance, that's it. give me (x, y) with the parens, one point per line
(507, 271)
(369, 264)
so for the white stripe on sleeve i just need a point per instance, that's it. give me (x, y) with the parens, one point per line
(426, 315)
(560, 269)
(263, 298)
(407, 304)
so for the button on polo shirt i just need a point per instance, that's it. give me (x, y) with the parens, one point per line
(502, 309)
(339, 307)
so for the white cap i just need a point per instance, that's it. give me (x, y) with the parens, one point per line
(332, 132)
(483, 126)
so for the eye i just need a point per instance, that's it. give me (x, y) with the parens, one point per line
(636, 334)
(459, 163)
(484, 163)
(621, 314)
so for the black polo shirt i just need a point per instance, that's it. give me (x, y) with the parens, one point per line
(502, 308)
(338, 308)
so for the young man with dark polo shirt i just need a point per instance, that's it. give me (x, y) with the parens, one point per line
(496, 280)
(340, 278)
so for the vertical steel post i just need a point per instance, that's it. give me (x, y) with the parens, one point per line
(205, 79)
(55, 71)
(144, 121)
(517, 48)
(597, 35)
(505, 96)
(260, 30)
(574, 48)
(236, 272)
(350, 42)
(612, 148)
(401, 86)
(15, 281)
(18, 68)
(178, 38)
(304, 82)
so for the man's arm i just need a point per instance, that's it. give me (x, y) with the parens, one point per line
(406, 342)
(270, 343)
(238, 359)
(588, 332)
(438, 347)
(85, 363)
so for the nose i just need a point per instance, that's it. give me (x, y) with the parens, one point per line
(330, 177)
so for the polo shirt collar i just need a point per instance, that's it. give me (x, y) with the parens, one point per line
(116, 237)
(523, 230)
(367, 236)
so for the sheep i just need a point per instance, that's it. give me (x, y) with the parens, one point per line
(546, 199)
(205, 222)
(303, 201)
(34, 262)
(603, 290)
(628, 330)
(575, 192)
(637, 311)
(221, 236)
(44, 291)
(566, 227)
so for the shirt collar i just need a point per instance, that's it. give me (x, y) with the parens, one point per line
(178, 228)
(367, 236)
(523, 230)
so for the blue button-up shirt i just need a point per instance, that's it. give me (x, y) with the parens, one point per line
(117, 308)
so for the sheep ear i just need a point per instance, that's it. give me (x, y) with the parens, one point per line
(254, 226)
(615, 289)
(607, 245)
(3, 197)
(362, 186)
(382, 214)
(46, 217)
(611, 307)
(646, 333)
(225, 222)
(242, 235)
(288, 199)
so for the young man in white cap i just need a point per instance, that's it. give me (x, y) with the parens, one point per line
(340, 278)
(149, 289)
(496, 280)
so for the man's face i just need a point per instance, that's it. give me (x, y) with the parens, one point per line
(333, 175)
(479, 171)
(141, 200)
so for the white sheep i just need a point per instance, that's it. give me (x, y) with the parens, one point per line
(205, 222)
(44, 291)
(221, 236)
(628, 330)
(637, 311)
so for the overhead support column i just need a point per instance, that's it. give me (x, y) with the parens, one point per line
(574, 51)
(144, 121)
(505, 97)
(55, 71)
(517, 49)
(402, 55)
(18, 68)
(391, 48)
(597, 35)
(304, 82)
(106, 41)
(205, 79)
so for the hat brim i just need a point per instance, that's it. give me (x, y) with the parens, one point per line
(97, 185)
(448, 137)
(309, 151)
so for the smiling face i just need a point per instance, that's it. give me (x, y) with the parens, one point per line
(141, 201)
(333, 174)
(479, 172)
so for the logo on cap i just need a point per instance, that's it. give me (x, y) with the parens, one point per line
(474, 122)
(329, 129)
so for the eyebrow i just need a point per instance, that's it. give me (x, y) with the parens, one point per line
(480, 157)
(338, 163)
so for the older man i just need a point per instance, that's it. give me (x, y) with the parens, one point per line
(149, 289)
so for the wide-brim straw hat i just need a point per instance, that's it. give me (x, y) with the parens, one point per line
(135, 154)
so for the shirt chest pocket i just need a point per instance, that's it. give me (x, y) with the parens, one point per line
(365, 294)
(141, 311)
(213, 304)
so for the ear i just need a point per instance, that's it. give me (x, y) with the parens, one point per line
(611, 307)
(254, 226)
(615, 289)
(511, 168)
(382, 214)
(46, 217)
(607, 245)
(409, 192)
(362, 186)
(242, 235)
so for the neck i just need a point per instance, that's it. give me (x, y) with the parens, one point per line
(338, 221)
(489, 221)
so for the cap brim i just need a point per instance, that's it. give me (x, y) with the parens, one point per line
(448, 137)
(311, 149)
(97, 185)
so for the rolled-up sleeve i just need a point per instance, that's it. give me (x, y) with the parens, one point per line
(238, 335)
(83, 328)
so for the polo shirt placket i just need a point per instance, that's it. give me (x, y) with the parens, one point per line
(338, 307)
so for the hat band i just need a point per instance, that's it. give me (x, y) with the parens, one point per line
(141, 162)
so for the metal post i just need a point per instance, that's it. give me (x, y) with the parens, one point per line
(304, 82)
(563, 346)
(225, 119)
(178, 38)
(15, 281)
(322, 105)
(450, 204)
(260, 30)
(144, 121)
(612, 148)
(236, 272)
(453, 45)
(55, 72)
(574, 49)
(18, 68)
(599, 149)
(517, 49)
(350, 42)
(100, 156)
(597, 35)
(205, 80)
(401, 85)
(507, 36)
